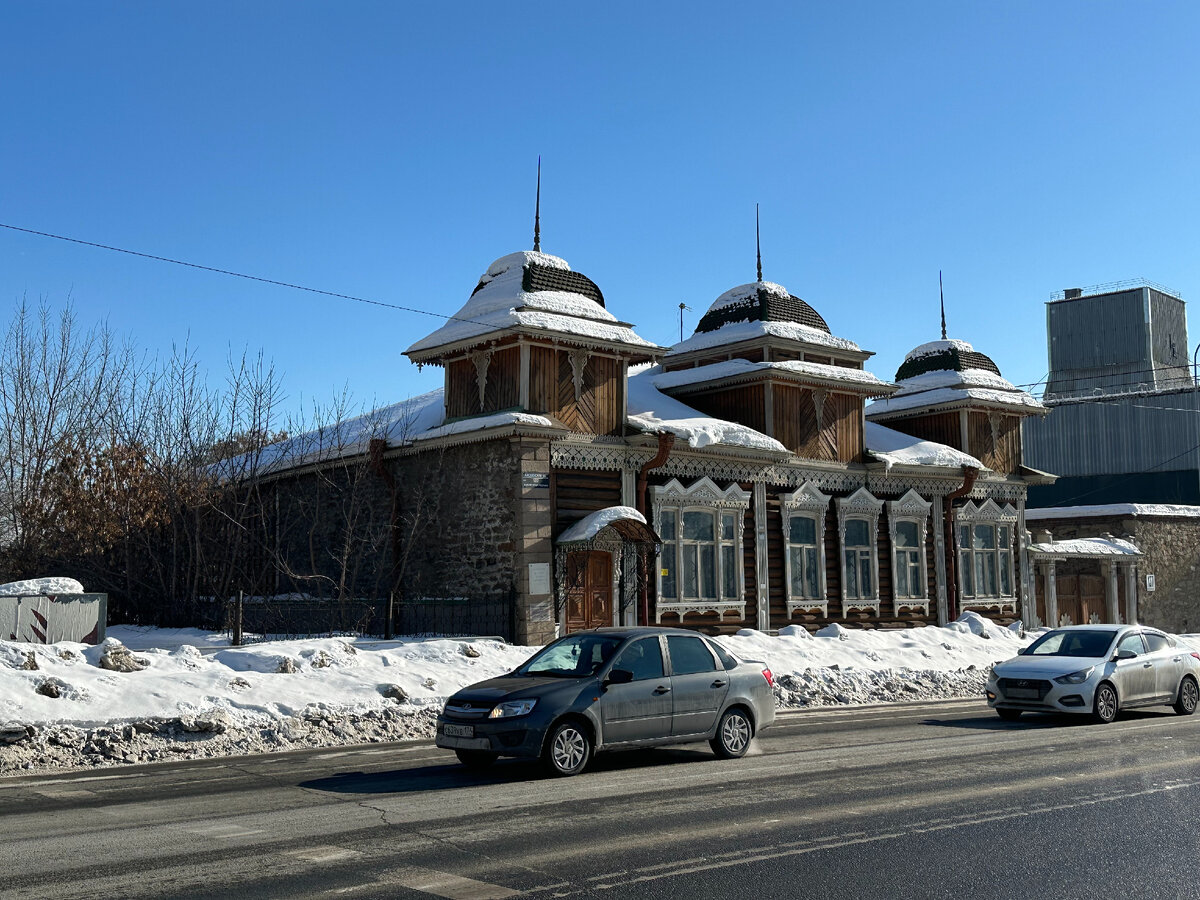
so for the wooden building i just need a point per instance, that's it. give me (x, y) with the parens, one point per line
(737, 479)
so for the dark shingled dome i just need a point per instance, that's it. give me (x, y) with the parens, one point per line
(763, 306)
(945, 359)
(549, 278)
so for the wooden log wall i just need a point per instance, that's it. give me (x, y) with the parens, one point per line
(577, 493)
(744, 405)
(942, 428)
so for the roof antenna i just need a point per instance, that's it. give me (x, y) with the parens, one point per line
(537, 211)
(942, 295)
(757, 242)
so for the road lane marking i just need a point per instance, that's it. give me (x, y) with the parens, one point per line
(67, 794)
(223, 832)
(324, 854)
(441, 884)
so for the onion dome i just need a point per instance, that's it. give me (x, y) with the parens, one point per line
(951, 374)
(944, 356)
(764, 310)
(761, 301)
(535, 294)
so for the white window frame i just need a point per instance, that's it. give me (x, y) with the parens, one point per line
(862, 504)
(988, 513)
(910, 508)
(702, 496)
(806, 502)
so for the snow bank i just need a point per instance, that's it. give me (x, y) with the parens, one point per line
(895, 448)
(158, 696)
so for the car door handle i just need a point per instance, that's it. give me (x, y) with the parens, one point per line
(719, 683)
(1147, 665)
(662, 689)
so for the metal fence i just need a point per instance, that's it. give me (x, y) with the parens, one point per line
(292, 617)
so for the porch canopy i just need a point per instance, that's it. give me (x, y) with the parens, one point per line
(1114, 557)
(624, 520)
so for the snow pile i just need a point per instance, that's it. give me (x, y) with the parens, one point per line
(1088, 547)
(41, 587)
(158, 697)
(652, 411)
(894, 448)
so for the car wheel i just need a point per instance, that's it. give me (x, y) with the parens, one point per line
(568, 749)
(1104, 709)
(734, 732)
(1189, 695)
(476, 759)
(1009, 715)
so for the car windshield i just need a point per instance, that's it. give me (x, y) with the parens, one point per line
(1072, 643)
(575, 656)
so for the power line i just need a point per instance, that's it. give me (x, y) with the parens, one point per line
(286, 284)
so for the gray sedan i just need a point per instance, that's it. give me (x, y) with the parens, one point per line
(608, 689)
(1097, 670)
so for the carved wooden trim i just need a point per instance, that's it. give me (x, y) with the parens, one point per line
(482, 360)
(579, 361)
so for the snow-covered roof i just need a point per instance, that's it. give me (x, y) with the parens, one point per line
(736, 332)
(506, 299)
(1124, 510)
(591, 525)
(1086, 548)
(842, 375)
(895, 448)
(952, 373)
(652, 411)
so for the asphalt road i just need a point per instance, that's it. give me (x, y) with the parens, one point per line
(929, 800)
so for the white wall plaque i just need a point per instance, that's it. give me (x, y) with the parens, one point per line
(1150, 582)
(539, 578)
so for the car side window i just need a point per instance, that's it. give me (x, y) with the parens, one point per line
(1156, 642)
(1132, 642)
(723, 655)
(689, 655)
(643, 658)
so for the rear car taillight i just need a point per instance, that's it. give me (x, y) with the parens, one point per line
(771, 680)
(1195, 654)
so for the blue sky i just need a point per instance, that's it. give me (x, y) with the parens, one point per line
(388, 151)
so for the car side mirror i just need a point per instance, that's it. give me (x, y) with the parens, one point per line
(619, 676)
(1125, 654)
(1022, 651)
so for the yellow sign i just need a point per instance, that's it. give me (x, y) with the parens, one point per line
(665, 573)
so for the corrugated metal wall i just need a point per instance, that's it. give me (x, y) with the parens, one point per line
(1119, 434)
(48, 620)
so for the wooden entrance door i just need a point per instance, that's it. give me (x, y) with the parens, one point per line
(589, 589)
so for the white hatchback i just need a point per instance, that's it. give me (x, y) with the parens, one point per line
(1097, 670)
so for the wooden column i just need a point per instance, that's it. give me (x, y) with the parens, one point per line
(939, 555)
(1051, 595)
(1111, 612)
(1131, 588)
(762, 572)
(1025, 570)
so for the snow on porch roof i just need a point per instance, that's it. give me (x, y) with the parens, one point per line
(627, 521)
(1084, 548)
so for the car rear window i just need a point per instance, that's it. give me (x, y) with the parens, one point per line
(689, 655)
(1156, 642)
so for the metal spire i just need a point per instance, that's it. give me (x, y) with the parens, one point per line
(757, 242)
(537, 211)
(942, 295)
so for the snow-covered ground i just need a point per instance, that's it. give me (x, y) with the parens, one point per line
(149, 694)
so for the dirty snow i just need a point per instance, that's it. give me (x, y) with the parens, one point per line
(175, 701)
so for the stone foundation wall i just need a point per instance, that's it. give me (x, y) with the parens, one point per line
(1171, 553)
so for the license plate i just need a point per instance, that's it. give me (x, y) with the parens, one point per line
(458, 730)
(1022, 693)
